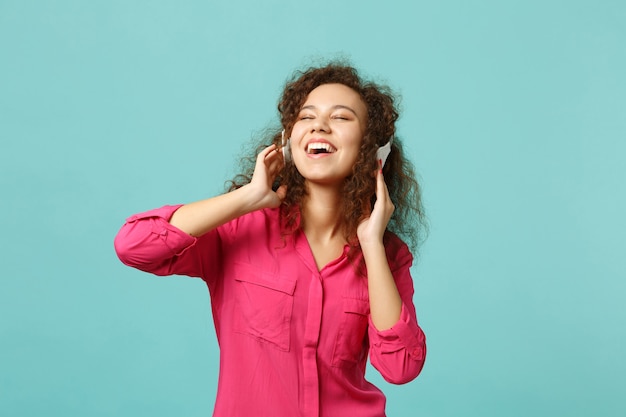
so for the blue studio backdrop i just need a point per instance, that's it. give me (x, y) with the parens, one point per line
(514, 113)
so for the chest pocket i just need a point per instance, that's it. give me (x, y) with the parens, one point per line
(351, 343)
(263, 306)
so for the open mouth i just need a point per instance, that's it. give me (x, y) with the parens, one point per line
(319, 147)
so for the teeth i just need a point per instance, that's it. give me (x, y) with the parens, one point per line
(317, 147)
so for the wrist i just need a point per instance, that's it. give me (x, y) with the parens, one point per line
(375, 247)
(249, 198)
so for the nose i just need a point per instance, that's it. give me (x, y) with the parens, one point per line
(320, 125)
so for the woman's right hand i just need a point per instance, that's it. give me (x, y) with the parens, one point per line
(269, 162)
(200, 217)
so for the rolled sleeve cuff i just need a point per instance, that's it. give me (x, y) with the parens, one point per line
(404, 334)
(147, 238)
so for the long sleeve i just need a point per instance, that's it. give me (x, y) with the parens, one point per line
(399, 353)
(147, 241)
(290, 335)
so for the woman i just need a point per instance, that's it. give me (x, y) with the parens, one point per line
(305, 274)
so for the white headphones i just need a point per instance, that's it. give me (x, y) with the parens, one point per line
(381, 154)
(285, 147)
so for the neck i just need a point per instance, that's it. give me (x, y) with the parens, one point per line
(320, 213)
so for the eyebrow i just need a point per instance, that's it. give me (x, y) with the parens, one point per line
(335, 107)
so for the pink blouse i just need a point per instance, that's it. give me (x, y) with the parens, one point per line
(293, 339)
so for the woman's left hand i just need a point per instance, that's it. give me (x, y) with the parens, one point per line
(372, 229)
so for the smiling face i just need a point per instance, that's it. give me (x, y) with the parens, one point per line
(327, 135)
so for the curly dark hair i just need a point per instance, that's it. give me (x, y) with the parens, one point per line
(408, 220)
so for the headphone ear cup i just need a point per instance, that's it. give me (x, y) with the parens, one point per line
(285, 147)
(287, 150)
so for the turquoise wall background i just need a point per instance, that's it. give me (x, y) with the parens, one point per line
(514, 113)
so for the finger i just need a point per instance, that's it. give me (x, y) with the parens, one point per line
(382, 192)
(281, 192)
(383, 199)
(267, 151)
(275, 161)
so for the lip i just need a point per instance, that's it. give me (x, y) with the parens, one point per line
(319, 155)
